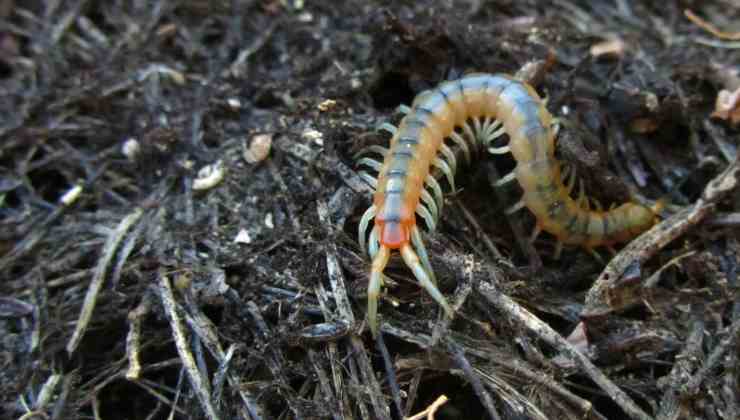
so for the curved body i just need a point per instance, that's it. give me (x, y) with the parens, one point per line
(475, 111)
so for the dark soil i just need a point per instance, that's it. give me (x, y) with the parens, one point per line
(242, 293)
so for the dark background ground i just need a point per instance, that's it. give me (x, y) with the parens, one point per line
(270, 325)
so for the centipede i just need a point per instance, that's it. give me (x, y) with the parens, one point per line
(477, 112)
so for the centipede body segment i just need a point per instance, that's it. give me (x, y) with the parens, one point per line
(472, 113)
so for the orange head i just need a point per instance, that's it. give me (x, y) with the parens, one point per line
(394, 234)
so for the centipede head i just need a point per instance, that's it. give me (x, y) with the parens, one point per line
(393, 234)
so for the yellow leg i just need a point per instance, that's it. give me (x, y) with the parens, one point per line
(412, 261)
(373, 288)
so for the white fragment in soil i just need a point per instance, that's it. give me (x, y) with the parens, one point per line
(234, 103)
(258, 148)
(243, 237)
(71, 195)
(131, 149)
(355, 83)
(209, 176)
(160, 69)
(268, 221)
(327, 105)
(314, 136)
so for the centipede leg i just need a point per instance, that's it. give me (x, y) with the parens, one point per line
(436, 190)
(404, 109)
(558, 250)
(499, 150)
(364, 221)
(373, 287)
(597, 204)
(412, 261)
(582, 199)
(422, 211)
(505, 179)
(462, 144)
(470, 133)
(477, 127)
(535, 233)
(373, 242)
(449, 156)
(571, 181)
(422, 251)
(388, 127)
(370, 163)
(382, 151)
(489, 128)
(371, 180)
(429, 201)
(515, 207)
(445, 168)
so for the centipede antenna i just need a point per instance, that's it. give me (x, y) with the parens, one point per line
(422, 211)
(422, 251)
(462, 144)
(449, 156)
(445, 168)
(364, 221)
(515, 207)
(558, 250)
(371, 163)
(374, 285)
(374, 243)
(404, 109)
(372, 148)
(505, 179)
(388, 127)
(499, 150)
(412, 260)
(429, 201)
(371, 180)
(436, 190)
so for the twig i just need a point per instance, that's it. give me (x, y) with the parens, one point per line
(390, 373)
(429, 411)
(733, 335)
(732, 36)
(109, 250)
(472, 377)
(197, 379)
(670, 407)
(133, 339)
(543, 331)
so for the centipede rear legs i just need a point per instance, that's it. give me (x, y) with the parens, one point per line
(414, 254)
